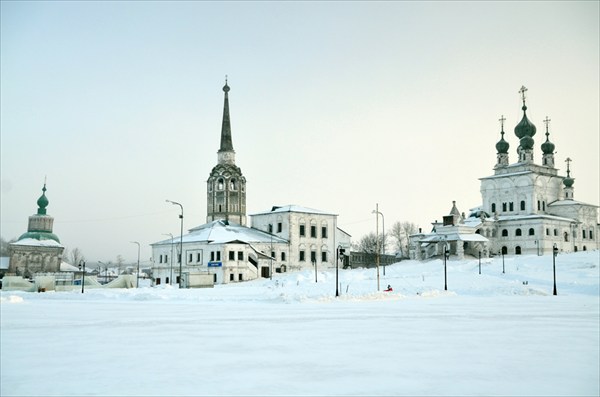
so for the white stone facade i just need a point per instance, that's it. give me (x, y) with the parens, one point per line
(526, 208)
(313, 235)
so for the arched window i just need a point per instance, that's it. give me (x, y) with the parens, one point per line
(522, 205)
(518, 232)
(566, 235)
(591, 235)
(547, 232)
(583, 232)
(233, 184)
(504, 233)
(220, 184)
(584, 248)
(531, 232)
(504, 250)
(517, 250)
(556, 232)
(493, 207)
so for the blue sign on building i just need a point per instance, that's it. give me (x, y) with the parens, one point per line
(215, 264)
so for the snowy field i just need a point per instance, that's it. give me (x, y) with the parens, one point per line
(489, 334)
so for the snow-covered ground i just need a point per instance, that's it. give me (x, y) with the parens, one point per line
(489, 334)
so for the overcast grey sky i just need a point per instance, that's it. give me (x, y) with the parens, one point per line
(334, 105)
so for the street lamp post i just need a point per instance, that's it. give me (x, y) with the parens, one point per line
(383, 235)
(171, 274)
(315, 266)
(337, 261)
(137, 280)
(445, 273)
(376, 211)
(554, 253)
(502, 252)
(479, 262)
(82, 268)
(180, 243)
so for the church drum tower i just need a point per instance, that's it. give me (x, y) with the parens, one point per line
(226, 186)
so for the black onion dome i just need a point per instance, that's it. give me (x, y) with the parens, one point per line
(502, 146)
(525, 127)
(548, 147)
(526, 142)
(568, 181)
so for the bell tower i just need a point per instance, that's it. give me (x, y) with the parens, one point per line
(226, 185)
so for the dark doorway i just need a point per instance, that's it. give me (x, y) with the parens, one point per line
(264, 272)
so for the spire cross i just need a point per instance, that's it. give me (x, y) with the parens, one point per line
(501, 120)
(225, 79)
(568, 161)
(522, 92)
(547, 121)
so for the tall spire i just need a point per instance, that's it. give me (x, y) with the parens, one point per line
(226, 144)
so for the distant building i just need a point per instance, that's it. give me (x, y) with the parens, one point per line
(286, 238)
(39, 249)
(527, 208)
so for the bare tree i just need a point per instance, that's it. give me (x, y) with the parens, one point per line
(73, 256)
(4, 246)
(120, 262)
(368, 243)
(400, 232)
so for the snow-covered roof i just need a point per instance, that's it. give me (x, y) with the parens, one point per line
(569, 203)
(432, 238)
(507, 174)
(67, 267)
(533, 216)
(472, 222)
(37, 243)
(294, 208)
(221, 232)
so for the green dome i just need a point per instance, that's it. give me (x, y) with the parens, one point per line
(42, 202)
(548, 147)
(525, 127)
(526, 142)
(568, 181)
(502, 146)
(39, 236)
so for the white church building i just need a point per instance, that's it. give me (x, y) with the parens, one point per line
(527, 208)
(225, 250)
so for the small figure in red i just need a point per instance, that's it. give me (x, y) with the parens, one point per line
(389, 288)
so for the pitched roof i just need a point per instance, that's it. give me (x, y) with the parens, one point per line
(222, 232)
(294, 208)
